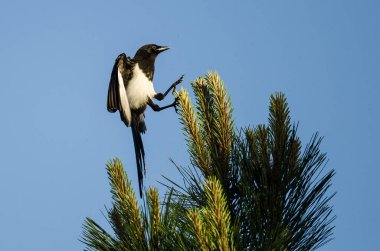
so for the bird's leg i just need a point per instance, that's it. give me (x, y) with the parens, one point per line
(160, 96)
(157, 108)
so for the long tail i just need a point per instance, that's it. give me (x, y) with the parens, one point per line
(139, 152)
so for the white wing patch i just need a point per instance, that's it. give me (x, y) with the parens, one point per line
(125, 109)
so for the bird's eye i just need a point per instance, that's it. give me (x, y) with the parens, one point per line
(154, 47)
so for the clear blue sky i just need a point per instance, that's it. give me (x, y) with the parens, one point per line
(56, 135)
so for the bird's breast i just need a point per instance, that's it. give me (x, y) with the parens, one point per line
(139, 88)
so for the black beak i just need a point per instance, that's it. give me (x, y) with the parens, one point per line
(162, 48)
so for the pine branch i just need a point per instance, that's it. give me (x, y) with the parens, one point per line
(96, 238)
(125, 216)
(211, 224)
(198, 154)
(154, 227)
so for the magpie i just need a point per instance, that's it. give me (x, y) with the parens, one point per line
(131, 90)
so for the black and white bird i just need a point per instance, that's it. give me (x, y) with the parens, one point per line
(131, 90)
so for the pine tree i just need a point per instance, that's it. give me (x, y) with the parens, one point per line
(246, 189)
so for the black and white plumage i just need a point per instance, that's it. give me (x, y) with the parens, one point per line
(131, 90)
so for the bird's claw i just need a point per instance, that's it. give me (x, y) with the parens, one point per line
(177, 83)
(176, 103)
(179, 80)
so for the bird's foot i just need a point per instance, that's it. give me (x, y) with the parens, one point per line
(177, 83)
(175, 104)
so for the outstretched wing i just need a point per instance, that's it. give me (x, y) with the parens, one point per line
(117, 95)
(113, 91)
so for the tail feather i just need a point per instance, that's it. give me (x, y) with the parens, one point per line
(139, 152)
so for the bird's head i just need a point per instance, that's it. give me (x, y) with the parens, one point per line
(149, 51)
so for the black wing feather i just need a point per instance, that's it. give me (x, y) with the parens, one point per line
(113, 99)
